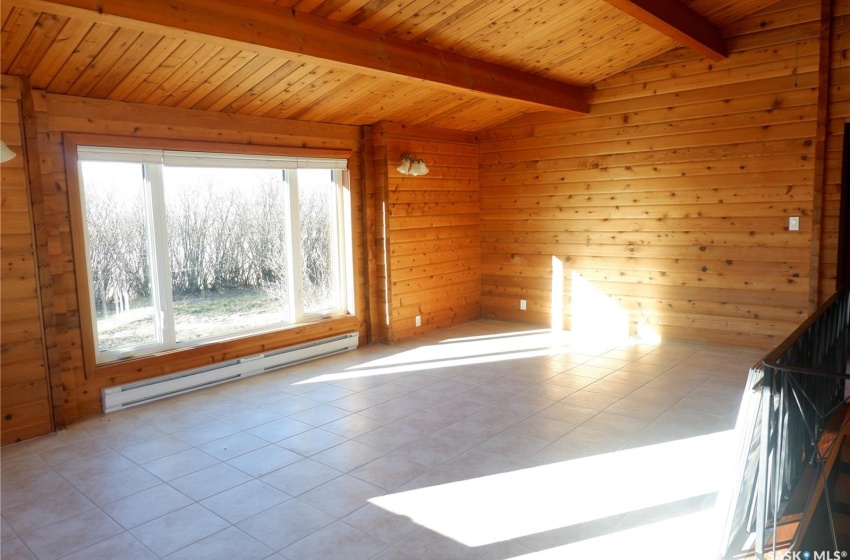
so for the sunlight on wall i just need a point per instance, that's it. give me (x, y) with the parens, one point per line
(647, 334)
(507, 506)
(595, 316)
(557, 294)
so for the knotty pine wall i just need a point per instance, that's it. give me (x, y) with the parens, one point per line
(57, 115)
(839, 112)
(431, 230)
(25, 409)
(673, 196)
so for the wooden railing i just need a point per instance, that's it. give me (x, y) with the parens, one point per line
(791, 405)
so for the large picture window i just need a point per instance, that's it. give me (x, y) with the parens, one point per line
(186, 248)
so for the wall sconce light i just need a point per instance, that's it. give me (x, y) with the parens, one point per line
(5, 152)
(411, 164)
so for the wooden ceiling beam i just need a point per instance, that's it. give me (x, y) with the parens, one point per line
(678, 22)
(268, 29)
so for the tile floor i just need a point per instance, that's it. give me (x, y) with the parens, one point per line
(486, 441)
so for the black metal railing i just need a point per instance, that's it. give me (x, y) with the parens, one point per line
(793, 394)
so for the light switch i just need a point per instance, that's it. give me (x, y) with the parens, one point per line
(793, 223)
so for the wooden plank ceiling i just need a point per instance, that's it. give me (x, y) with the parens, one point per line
(76, 51)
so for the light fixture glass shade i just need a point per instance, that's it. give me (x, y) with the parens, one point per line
(5, 152)
(418, 167)
(404, 168)
(421, 168)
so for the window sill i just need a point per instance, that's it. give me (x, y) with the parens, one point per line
(172, 361)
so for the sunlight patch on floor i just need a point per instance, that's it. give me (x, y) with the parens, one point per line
(515, 504)
(465, 352)
(686, 536)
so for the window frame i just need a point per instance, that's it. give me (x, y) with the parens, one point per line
(344, 237)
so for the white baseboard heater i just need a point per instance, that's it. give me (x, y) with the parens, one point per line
(132, 394)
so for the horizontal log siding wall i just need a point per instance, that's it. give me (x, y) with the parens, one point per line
(24, 395)
(673, 196)
(433, 233)
(63, 114)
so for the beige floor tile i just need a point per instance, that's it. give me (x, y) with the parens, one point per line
(233, 445)
(286, 523)
(502, 417)
(426, 545)
(320, 415)
(300, 477)
(348, 456)
(264, 460)
(61, 456)
(571, 380)
(6, 531)
(475, 463)
(468, 432)
(644, 410)
(390, 471)
(245, 500)
(338, 540)
(15, 549)
(22, 489)
(585, 370)
(312, 441)
(250, 418)
(380, 523)
(108, 488)
(615, 423)
(178, 529)
(180, 421)
(568, 413)
(204, 433)
(513, 445)
(596, 441)
(342, 495)
(210, 481)
(154, 449)
(393, 436)
(24, 465)
(557, 454)
(35, 514)
(122, 546)
(289, 405)
(589, 399)
(550, 391)
(540, 427)
(180, 464)
(353, 425)
(131, 436)
(432, 450)
(278, 430)
(146, 505)
(228, 544)
(606, 387)
(81, 469)
(629, 378)
(71, 535)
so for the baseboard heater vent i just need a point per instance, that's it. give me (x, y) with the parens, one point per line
(132, 394)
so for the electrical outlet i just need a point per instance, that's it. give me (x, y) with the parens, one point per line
(418, 320)
(793, 223)
(522, 305)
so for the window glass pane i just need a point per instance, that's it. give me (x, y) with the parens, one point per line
(119, 257)
(317, 196)
(227, 245)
